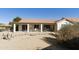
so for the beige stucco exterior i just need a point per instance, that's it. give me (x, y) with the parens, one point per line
(32, 29)
(62, 22)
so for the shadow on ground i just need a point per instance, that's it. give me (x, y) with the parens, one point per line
(72, 44)
(54, 44)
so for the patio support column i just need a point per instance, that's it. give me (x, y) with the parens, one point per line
(41, 27)
(27, 27)
(14, 27)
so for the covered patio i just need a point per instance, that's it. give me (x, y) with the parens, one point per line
(34, 26)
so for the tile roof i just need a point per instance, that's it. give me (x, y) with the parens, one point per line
(69, 19)
(36, 21)
(73, 19)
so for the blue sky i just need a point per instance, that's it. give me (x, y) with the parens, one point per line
(7, 14)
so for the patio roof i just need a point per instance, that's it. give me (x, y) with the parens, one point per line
(36, 21)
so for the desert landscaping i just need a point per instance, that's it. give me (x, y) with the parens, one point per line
(23, 40)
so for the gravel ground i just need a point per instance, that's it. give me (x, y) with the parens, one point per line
(23, 40)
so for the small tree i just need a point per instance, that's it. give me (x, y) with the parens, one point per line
(17, 19)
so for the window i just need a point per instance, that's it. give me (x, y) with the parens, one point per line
(24, 27)
(36, 26)
(47, 27)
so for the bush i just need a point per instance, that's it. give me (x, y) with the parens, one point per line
(69, 36)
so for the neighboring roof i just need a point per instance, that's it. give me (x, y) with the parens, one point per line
(36, 21)
(70, 19)
(73, 19)
(1, 24)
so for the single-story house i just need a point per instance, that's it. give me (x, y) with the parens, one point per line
(66, 21)
(34, 25)
(42, 25)
(4, 27)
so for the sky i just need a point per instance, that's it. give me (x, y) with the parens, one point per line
(7, 14)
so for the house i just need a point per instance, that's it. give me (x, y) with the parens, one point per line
(4, 27)
(66, 21)
(42, 25)
(34, 25)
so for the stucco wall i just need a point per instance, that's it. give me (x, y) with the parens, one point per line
(62, 22)
(52, 27)
(31, 27)
(20, 27)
